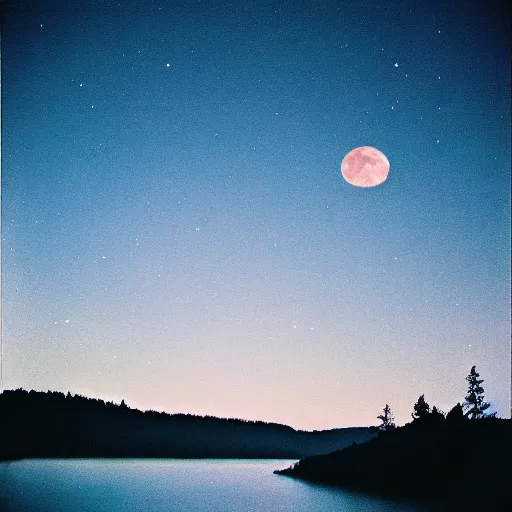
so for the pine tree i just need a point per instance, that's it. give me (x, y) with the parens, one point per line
(456, 414)
(474, 404)
(437, 414)
(421, 409)
(387, 418)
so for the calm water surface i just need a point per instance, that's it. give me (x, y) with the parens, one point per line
(171, 485)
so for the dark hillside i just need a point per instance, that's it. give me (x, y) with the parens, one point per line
(35, 425)
(465, 464)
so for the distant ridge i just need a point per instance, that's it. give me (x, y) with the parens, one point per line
(53, 425)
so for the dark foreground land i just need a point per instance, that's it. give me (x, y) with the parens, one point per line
(463, 465)
(52, 425)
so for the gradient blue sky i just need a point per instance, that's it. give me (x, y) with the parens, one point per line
(177, 232)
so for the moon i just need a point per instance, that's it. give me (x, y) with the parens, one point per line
(365, 167)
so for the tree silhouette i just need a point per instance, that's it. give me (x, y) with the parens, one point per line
(421, 409)
(437, 414)
(474, 404)
(456, 414)
(387, 418)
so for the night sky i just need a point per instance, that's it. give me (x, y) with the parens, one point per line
(177, 232)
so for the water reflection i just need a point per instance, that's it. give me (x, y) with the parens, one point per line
(172, 485)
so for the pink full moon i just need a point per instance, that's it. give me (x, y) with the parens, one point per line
(365, 167)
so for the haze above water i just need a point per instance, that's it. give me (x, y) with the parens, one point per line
(171, 485)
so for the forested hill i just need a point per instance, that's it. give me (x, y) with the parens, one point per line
(36, 424)
(464, 464)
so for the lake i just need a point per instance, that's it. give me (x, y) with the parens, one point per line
(171, 485)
